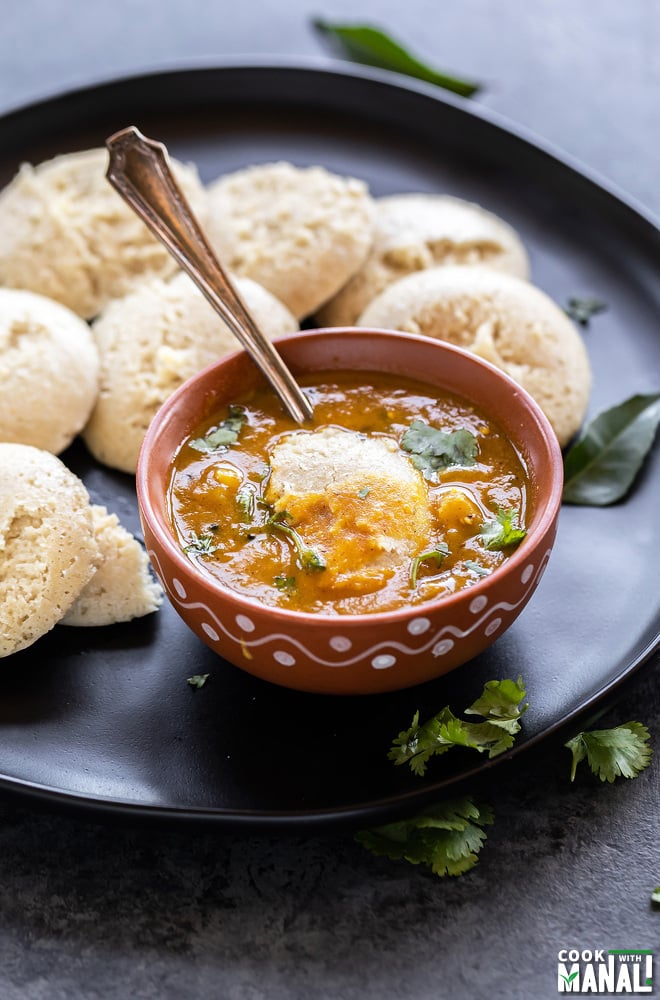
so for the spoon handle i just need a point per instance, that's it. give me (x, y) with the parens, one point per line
(139, 170)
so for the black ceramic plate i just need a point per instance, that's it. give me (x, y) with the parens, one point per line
(105, 718)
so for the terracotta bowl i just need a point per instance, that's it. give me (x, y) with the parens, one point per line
(368, 653)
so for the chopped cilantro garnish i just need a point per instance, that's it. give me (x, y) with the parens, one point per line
(285, 583)
(201, 544)
(500, 707)
(582, 309)
(310, 560)
(447, 837)
(198, 680)
(437, 554)
(612, 753)
(431, 449)
(245, 501)
(364, 492)
(476, 567)
(225, 434)
(502, 532)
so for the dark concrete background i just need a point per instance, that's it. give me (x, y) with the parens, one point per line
(90, 910)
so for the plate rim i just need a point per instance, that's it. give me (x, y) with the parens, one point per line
(375, 812)
(398, 801)
(318, 66)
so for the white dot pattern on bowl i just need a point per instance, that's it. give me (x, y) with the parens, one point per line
(418, 626)
(383, 662)
(487, 618)
(210, 631)
(492, 626)
(283, 658)
(340, 643)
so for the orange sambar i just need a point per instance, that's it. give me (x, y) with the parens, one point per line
(393, 495)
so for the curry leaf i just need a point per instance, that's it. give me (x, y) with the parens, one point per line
(601, 466)
(369, 44)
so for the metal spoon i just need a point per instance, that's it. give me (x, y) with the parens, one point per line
(139, 170)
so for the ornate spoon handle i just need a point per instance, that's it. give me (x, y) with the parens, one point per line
(139, 170)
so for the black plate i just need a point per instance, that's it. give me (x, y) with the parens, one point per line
(105, 719)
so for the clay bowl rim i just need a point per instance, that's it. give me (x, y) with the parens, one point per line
(541, 523)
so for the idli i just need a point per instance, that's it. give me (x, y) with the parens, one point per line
(301, 232)
(414, 232)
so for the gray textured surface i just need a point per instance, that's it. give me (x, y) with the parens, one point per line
(584, 76)
(97, 911)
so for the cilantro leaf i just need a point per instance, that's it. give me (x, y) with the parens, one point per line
(224, 434)
(419, 743)
(476, 568)
(499, 706)
(612, 753)
(370, 45)
(285, 583)
(501, 533)
(310, 560)
(198, 680)
(200, 545)
(499, 703)
(582, 309)
(447, 837)
(246, 499)
(431, 449)
(437, 554)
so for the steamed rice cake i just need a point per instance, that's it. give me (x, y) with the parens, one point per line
(67, 234)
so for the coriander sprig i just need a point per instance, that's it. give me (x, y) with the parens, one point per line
(438, 554)
(620, 752)
(499, 705)
(502, 533)
(225, 433)
(431, 450)
(447, 837)
(201, 545)
(310, 560)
